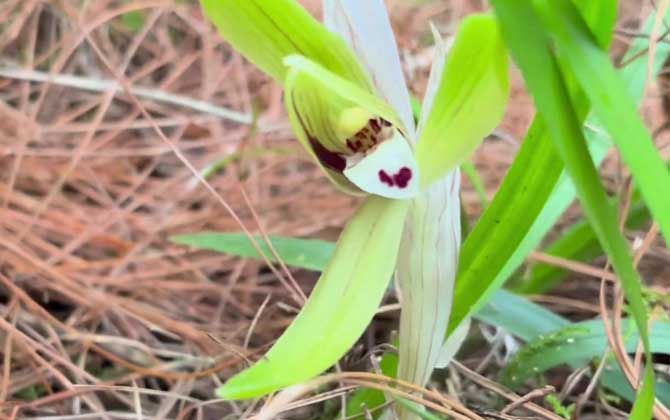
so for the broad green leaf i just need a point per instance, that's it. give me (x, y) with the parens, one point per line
(470, 100)
(365, 26)
(266, 31)
(530, 47)
(339, 309)
(519, 316)
(618, 383)
(355, 136)
(312, 254)
(426, 271)
(611, 104)
(577, 345)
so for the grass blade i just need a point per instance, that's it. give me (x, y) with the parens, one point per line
(520, 193)
(526, 38)
(529, 201)
(611, 104)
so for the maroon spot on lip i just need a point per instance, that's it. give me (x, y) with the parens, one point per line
(400, 179)
(403, 177)
(374, 124)
(330, 159)
(385, 178)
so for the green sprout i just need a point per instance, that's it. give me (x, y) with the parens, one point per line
(350, 108)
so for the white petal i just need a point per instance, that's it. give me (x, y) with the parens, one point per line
(389, 170)
(436, 71)
(427, 266)
(365, 25)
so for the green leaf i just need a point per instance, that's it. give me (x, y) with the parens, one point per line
(369, 398)
(471, 173)
(578, 243)
(617, 382)
(312, 254)
(576, 345)
(525, 36)
(489, 246)
(519, 316)
(470, 98)
(417, 409)
(266, 31)
(635, 74)
(611, 104)
(339, 309)
(134, 20)
(533, 195)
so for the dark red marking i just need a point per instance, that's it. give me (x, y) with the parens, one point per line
(403, 177)
(400, 179)
(386, 123)
(330, 159)
(385, 178)
(374, 124)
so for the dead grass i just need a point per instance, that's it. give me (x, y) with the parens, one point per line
(101, 316)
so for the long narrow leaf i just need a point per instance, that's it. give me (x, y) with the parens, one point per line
(533, 195)
(611, 103)
(576, 245)
(527, 40)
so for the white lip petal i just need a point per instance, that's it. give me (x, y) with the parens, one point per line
(389, 170)
(365, 26)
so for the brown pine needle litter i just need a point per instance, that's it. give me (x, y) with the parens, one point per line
(124, 123)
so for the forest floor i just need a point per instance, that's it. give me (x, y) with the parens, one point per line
(101, 315)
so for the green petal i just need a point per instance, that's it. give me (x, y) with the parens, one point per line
(339, 309)
(469, 101)
(266, 31)
(330, 114)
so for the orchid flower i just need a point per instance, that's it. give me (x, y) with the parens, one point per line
(350, 108)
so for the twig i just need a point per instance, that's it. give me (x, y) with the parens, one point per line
(95, 85)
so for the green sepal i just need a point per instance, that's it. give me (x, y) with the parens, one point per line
(470, 100)
(266, 31)
(339, 309)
